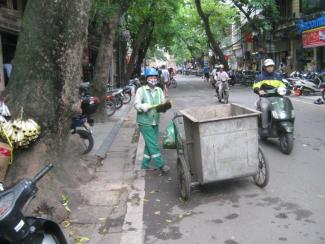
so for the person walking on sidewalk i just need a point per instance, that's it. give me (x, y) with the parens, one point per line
(166, 79)
(148, 119)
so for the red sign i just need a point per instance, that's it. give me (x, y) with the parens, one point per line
(249, 37)
(314, 38)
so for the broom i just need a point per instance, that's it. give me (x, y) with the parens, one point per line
(162, 108)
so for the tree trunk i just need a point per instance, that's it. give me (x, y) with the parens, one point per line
(46, 74)
(103, 63)
(47, 64)
(140, 37)
(215, 46)
(105, 55)
(143, 52)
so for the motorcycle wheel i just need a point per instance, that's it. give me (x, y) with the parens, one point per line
(118, 102)
(305, 92)
(126, 98)
(174, 83)
(286, 143)
(225, 97)
(87, 140)
(110, 108)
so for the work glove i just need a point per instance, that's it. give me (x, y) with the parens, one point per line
(144, 107)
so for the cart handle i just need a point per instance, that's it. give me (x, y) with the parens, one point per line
(177, 115)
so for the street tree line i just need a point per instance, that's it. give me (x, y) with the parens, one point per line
(47, 68)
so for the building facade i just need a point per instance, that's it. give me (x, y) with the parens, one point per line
(11, 12)
(297, 40)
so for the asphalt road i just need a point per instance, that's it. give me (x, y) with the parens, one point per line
(291, 209)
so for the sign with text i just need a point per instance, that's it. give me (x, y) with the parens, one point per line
(314, 38)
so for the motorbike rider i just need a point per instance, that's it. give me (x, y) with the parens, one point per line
(222, 81)
(267, 80)
(214, 75)
(148, 119)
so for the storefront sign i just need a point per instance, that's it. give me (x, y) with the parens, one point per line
(314, 38)
(312, 24)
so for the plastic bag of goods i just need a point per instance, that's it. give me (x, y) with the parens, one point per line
(169, 141)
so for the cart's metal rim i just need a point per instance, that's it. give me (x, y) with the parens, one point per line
(254, 113)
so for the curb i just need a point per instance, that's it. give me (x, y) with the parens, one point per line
(108, 141)
(133, 231)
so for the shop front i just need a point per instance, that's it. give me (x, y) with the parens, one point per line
(313, 43)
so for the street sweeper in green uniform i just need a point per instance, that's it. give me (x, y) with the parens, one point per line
(149, 103)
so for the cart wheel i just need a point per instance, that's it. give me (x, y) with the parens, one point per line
(262, 177)
(184, 178)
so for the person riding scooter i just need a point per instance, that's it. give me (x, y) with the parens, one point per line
(266, 81)
(222, 82)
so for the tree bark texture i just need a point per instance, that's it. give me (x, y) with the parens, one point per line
(103, 63)
(105, 55)
(46, 75)
(143, 52)
(47, 65)
(142, 34)
(215, 46)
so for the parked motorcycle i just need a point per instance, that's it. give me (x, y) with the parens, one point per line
(134, 84)
(110, 105)
(117, 94)
(306, 83)
(127, 94)
(80, 125)
(282, 117)
(17, 228)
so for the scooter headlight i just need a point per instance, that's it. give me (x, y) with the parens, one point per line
(282, 91)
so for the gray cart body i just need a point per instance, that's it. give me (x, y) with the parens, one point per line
(219, 142)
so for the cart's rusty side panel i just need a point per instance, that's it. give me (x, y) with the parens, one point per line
(229, 149)
(221, 142)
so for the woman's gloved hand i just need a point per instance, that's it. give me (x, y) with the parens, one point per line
(144, 107)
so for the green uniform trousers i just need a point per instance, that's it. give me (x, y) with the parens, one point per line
(151, 149)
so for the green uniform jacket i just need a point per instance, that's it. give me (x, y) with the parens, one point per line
(151, 117)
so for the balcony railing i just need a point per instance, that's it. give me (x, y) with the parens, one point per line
(10, 19)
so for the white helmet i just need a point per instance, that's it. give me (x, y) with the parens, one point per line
(269, 62)
(221, 66)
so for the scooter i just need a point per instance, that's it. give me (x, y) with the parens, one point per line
(117, 94)
(225, 92)
(282, 119)
(16, 228)
(80, 125)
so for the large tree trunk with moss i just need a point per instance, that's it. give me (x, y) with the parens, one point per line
(46, 74)
(215, 46)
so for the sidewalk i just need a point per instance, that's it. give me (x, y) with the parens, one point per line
(100, 217)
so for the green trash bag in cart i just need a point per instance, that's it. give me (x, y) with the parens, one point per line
(169, 141)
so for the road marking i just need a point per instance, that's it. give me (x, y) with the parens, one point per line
(133, 222)
(309, 103)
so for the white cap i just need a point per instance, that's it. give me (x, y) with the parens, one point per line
(221, 66)
(269, 62)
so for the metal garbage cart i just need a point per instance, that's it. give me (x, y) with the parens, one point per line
(216, 143)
